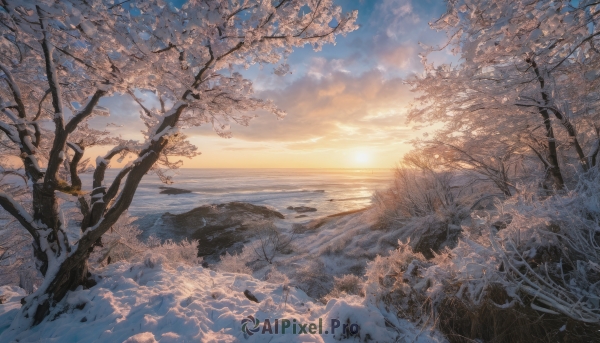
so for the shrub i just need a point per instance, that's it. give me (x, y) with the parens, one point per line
(270, 242)
(236, 263)
(527, 271)
(121, 242)
(420, 187)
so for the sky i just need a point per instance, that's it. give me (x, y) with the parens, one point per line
(346, 105)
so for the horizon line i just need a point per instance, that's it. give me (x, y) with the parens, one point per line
(270, 168)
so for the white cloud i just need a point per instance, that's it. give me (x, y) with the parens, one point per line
(396, 16)
(332, 111)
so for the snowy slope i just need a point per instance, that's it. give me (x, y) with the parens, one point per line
(325, 248)
(152, 301)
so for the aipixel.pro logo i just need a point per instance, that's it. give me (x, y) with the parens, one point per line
(252, 325)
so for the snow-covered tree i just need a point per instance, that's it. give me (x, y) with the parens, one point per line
(58, 59)
(525, 87)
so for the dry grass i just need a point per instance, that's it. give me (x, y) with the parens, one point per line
(461, 322)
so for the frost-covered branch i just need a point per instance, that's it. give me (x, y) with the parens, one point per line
(10, 132)
(88, 52)
(17, 211)
(51, 74)
(86, 111)
(139, 102)
(16, 91)
(74, 164)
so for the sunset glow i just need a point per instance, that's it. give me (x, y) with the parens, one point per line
(299, 171)
(340, 102)
(362, 157)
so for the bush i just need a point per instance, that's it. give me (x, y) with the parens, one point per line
(277, 277)
(270, 242)
(345, 285)
(527, 271)
(121, 242)
(312, 279)
(236, 263)
(420, 188)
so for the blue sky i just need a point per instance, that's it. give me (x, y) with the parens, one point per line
(346, 104)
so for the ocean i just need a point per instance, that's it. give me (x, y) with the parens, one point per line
(330, 191)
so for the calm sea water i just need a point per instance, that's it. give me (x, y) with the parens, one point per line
(329, 190)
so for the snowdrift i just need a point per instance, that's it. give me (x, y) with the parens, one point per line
(154, 301)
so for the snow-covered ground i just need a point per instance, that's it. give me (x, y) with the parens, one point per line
(152, 300)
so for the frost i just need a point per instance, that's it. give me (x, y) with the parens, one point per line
(102, 111)
(76, 53)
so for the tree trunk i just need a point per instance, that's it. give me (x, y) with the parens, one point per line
(72, 273)
(45, 209)
(553, 172)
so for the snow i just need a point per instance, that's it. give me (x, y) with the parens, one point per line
(100, 160)
(29, 144)
(10, 114)
(10, 132)
(154, 301)
(11, 304)
(20, 209)
(75, 147)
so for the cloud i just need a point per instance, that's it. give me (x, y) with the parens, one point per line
(395, 17)
(393, 31)
(392, 54)
(124, 113)
(245, 148)
(334, 110)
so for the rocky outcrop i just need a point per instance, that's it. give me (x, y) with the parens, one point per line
(173, 190)
(302, 209)
(219, 228)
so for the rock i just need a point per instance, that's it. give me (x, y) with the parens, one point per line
(502, 222)
(173, 190)
(302, 209)
(219, 228)
(301, 216)
(250, 296)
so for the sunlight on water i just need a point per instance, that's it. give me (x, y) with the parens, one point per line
(329, 190)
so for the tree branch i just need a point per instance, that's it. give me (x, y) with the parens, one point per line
(47, 47)
(17, 211)
(11, 133)
(574, 49)
(147, 158)
(16, 91)
(114, 187)
(39, 111)
(85, 112)
(54, 160)
(564, 120)
(119, 4)
(74, 164)
(139, 102)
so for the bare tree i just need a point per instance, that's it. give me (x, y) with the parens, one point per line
(60, 58)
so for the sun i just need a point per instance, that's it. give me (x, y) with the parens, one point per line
(361, 157)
